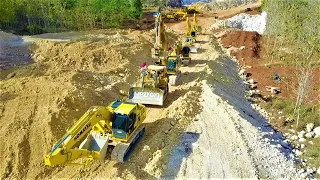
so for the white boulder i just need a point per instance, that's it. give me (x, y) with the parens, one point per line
(302, 140)
(309, 127)
(317, 131)
(301, 134)
(294, 137)
(309, 134)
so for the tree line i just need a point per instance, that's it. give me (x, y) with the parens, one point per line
(293, 38)
(38, 16)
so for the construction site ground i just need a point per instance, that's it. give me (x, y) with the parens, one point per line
(206, 129)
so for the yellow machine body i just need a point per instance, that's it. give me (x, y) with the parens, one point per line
(154, 86)
(190, 37)
(100, 127)
(176, 16)
(161, 44)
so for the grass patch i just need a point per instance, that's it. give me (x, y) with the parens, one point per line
(312, 154)
(308, 114)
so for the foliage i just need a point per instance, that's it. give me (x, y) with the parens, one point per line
(308, 113)
(136, 8)
(294, 24)
(38, 16)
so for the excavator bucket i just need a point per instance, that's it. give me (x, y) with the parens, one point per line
(154, 96)
(95, 142)
(193, 49)
(185, 61)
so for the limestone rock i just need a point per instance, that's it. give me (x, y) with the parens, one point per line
(309, 135)
(309, 127)
(317, 131)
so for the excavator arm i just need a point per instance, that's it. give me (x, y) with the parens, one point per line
(196, 27)
(67, 149)
(188, 27)
(161, 39)
(161, 44)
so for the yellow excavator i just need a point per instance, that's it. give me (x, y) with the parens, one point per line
(154, 86)
(196, 27)
(160, 53)
(192, 9)
(190, 37)
(176, 16)
(183, 53)
(117, 127)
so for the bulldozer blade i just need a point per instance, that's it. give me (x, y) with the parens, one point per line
(186, 61)
(174, 79)
(154, 96)
(193, 49)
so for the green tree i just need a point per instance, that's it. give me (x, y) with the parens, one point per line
(136, 8)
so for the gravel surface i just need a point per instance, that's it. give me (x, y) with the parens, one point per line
(229, 139)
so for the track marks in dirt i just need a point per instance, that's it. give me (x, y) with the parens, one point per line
(24, 156)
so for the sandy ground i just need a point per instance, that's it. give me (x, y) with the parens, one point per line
(205, 129)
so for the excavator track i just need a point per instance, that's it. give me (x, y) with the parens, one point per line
(122, 151)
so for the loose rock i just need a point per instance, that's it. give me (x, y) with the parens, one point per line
(294, 137)
(309, 135)
(309, 127)
(317, 130)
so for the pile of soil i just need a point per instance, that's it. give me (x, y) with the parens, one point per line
(41, 100)
(248, 42)
(247, 48)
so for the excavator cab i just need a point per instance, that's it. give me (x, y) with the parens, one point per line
(173, 64)
(193, 33)
(185, 56)
(188, 41)
(123, 122)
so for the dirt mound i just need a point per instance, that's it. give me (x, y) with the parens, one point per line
(246, 47)
(40, 101)
(82, 55)
(247, 42)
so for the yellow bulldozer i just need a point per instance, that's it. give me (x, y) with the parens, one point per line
(154, 87)
(117, 127)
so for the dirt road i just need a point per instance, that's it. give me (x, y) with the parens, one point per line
(229, 138)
